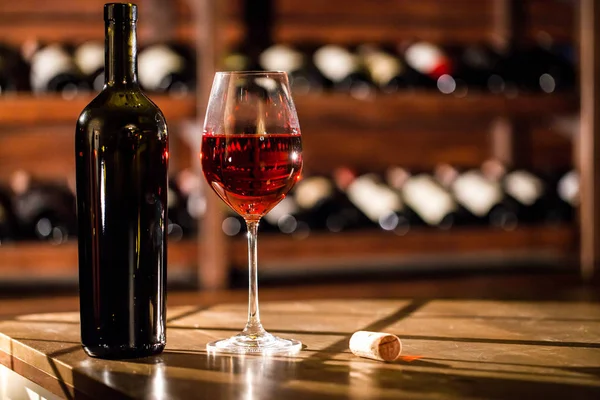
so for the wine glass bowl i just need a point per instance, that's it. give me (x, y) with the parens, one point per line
(251, 157)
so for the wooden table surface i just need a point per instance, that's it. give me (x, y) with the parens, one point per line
(453, 349)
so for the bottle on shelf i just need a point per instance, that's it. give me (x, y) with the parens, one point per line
(344, 71)
(240, 58)
(435, 66)
(166, 69)
(286, 217)
(323, 207)
(235, 60)
(382, 206)
(545, 68)
(539, 68)
(431, 203)
(54, 70)
(122, 157)
(13, 71)
(44, 210)
(477, 69)
(89, 58)
(388, 70)
(481, 196)
(530, 190)
(175, 200)
(8, 220)
(567, 197)
(304, 76)
(314, 205)
(185, 207)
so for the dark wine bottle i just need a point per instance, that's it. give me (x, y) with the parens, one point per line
(183, 188)
(529, 191)
(286, 217)
(316, 205)
(544, 70)
(431, 203)
(13, 71)
(44, 210)
(481, 196)
(387, 70)
(166, 69)
(567, 198)
(344, 70)
(382, 206)
(89, 58)
(8, 221)
(54, 70)
(239, 58)
(434, 65)
(121, 150)
(322, 207)
(477, 69)
(540, 68)
(304, 77)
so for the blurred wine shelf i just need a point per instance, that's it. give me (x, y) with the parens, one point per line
(392, 107)
(43, 261)
(30, 109)
(335, 21)
(371, 248)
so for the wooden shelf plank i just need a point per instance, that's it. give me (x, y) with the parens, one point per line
(26, 108)
(15, 32)
(360, 21)
(402, 106)
(30, 109)
(44, 261)
(364, 249)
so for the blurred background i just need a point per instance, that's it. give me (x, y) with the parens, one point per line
(440, 138)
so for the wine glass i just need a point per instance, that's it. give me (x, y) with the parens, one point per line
(251, 157)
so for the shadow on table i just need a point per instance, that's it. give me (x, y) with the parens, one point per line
(197, 375)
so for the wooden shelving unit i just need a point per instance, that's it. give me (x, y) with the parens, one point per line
(372, 133)
(392, 129)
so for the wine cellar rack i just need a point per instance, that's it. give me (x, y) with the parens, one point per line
(337, 129)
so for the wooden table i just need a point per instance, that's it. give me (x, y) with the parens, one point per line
(452, 350)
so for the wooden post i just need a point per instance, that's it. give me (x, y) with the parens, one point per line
(508, 23)
(163, 20)
(213, 263)
(589, 144)
(509, 139)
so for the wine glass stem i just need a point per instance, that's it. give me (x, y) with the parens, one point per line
(253, 326)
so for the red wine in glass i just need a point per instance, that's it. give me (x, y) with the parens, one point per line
(251, 172)
(251, 157)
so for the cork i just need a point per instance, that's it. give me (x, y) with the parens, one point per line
(375, 345)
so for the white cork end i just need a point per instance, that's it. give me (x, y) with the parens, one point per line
(376, 345)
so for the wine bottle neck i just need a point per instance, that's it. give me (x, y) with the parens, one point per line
(121, 54)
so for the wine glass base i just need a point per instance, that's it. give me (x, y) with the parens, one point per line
(265, 344)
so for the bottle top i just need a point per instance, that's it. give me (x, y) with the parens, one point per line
(120, 12)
